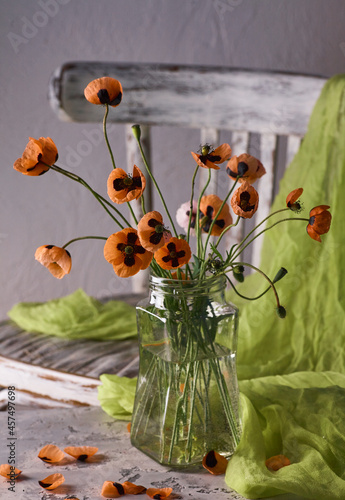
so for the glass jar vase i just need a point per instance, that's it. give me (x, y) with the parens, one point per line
(187, 398)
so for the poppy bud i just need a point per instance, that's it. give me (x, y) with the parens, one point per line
(238, 276)
(239, 269)
(280, 274)
(281, 311)
(136, 132)
(181, 236)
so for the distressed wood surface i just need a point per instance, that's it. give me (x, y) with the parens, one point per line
(116, 460)
(223, 98)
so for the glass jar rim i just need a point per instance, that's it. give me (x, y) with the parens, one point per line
(170, 285)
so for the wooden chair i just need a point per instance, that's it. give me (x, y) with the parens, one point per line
(267, 110)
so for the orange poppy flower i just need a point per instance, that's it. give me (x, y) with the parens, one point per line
(123, 187)
(277, 462)
(57, 260)
(292, 201)
(210, 157)
(9, 471)
(112, 489)
(151, 231)
(51, 454)
(133, 489)
(319, 222)
(124, 251)
(246, 166)
(209, 206)
(38, 155)
(51, 482)
(81, 453)
(173, 254)
(159, 493)
(105, 90)
(215, 463)
(245, 201)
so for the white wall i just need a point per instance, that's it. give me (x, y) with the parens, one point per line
(39, 35)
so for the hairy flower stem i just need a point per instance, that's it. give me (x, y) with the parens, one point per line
(84, 238)
(106, 135)
(98, 197)
(156, 185)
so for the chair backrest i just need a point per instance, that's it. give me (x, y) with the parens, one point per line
(267, 112)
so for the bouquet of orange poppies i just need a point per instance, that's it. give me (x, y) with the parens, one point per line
(155, 241)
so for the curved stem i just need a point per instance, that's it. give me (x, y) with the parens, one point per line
(84, 238)
(132, 212)
(263, 274)
(263, 231)
(99, 198)
(106, 135)
(156, 185)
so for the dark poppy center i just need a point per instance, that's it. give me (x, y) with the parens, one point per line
(312, 220)
(211, 460)
(128, 181)
(245, 202)
(103, 96)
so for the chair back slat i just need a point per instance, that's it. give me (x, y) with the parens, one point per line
(254, 106)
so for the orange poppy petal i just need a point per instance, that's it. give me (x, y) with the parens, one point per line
(112, 490)
(209, 207)
(49, 150)
(81, 453)
(159, 493)
(293, 196)
(36, 170)
(318, 210)
(57, 260)
(173, 254)
(51, 482)
(224, 151)
(105, 90)
(151, 231)
(129, 425)
(9, 471)
(124, 271)
(245, 201)
(313, 234)
(133, 489)
(247, 166)
(51, 454)
(215, 463)
(277, 462)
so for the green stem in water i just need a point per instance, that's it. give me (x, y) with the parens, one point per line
(84, 238)
(106, 135)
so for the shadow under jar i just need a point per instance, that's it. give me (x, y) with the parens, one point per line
(187, 398)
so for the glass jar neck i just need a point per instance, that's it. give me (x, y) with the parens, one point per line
(187, 288)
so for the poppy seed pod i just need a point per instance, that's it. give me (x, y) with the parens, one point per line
(136, 131)
(281, 311)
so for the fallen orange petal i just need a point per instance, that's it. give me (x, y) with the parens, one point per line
(51, 454)
(81, 453)
(112, 490)
(215, 463)
(129, 425)
(51, 482)
(277, 462)
(159, 493)
(9, 471)
(133, 489)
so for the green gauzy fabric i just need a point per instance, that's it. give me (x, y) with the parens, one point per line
(116, 396)
(77, 316)
(292, 371)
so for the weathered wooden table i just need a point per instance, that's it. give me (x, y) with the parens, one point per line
(116, 459)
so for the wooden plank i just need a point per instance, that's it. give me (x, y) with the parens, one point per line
(293, 144)
(224, 98)
(67, 388)
(264, 187)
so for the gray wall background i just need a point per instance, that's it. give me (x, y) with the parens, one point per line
(306, 36)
